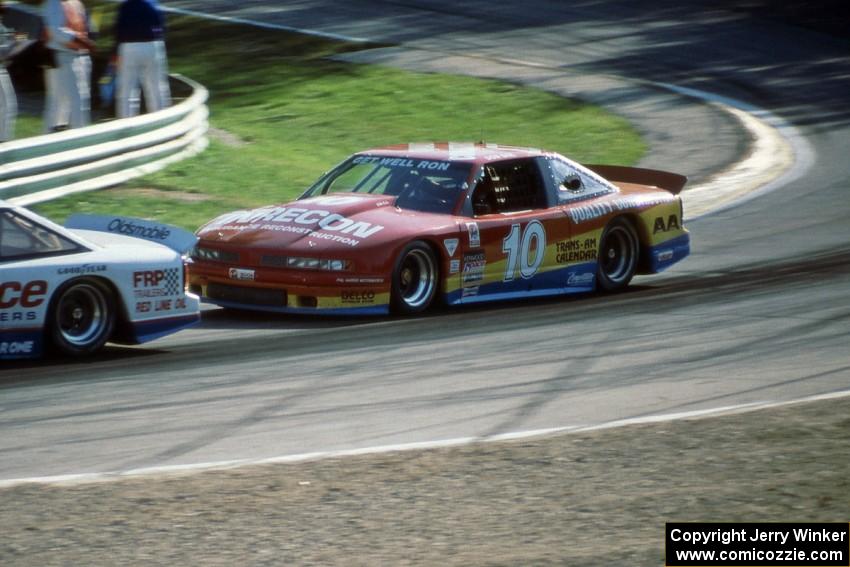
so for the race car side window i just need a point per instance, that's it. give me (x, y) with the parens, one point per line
(507, 187)
(573, 184)
(21, 238)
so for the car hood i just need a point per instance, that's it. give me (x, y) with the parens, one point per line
(320, 223)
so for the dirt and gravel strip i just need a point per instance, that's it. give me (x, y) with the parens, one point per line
(582, 499)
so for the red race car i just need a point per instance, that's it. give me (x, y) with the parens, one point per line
(398, 228)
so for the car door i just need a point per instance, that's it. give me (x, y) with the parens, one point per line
(506, 250)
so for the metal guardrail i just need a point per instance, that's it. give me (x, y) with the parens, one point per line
(46, 167)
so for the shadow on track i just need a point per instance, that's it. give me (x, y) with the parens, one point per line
(236, 319)
(11, 371)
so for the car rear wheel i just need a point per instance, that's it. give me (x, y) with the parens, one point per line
(82, 317)
(618, 255)
(414, 279)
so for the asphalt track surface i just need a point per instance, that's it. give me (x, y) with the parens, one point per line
(759, 312)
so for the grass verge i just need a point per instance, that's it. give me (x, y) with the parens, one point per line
(282, 112)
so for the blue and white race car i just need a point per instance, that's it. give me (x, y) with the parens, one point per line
(71, 289)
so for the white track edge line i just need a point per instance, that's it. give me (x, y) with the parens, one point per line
(86, 478)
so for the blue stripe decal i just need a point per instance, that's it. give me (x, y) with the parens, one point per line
(454, 300)
(578, 278)
(21, 344)
(146, 331)
(665, 255)
(333, 311)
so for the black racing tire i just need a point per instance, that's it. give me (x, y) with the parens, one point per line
(81, 317)
(415, 279)
(619, 250)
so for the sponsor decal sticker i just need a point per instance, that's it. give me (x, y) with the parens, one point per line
(317, 223)
(18, 294)
(360, 280)
(12, 316)
(26, 343)
(430, 165)
(157, 283)
(665, 255)
(241, 274)
(584, 279)
(358, 297)
(591, 212)
(85, 269)
(586, 213)
(138, 229)
(18, 300)
(454, 266)
(474, 235)
(473, 268)
(17, 347)
(161, 305)
(158, 291)
(173, 237)
(576, 251)
(660, 226)
(451, 245)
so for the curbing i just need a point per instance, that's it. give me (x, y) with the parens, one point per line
(46, 167)
(778, 155)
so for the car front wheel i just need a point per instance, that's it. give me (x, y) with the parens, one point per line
(82, 318)
(414, 279)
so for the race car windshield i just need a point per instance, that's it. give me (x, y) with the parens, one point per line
(419, 185)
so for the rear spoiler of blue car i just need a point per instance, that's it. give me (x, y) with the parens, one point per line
(177, 239)
(671, 182)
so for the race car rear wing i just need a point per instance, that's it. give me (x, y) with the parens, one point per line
(177, 239)
(672, 182)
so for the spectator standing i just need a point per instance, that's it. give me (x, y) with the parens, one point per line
(8, 100)
(69, 82)
(140, 35)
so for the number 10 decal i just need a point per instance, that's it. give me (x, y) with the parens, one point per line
(517, 245)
